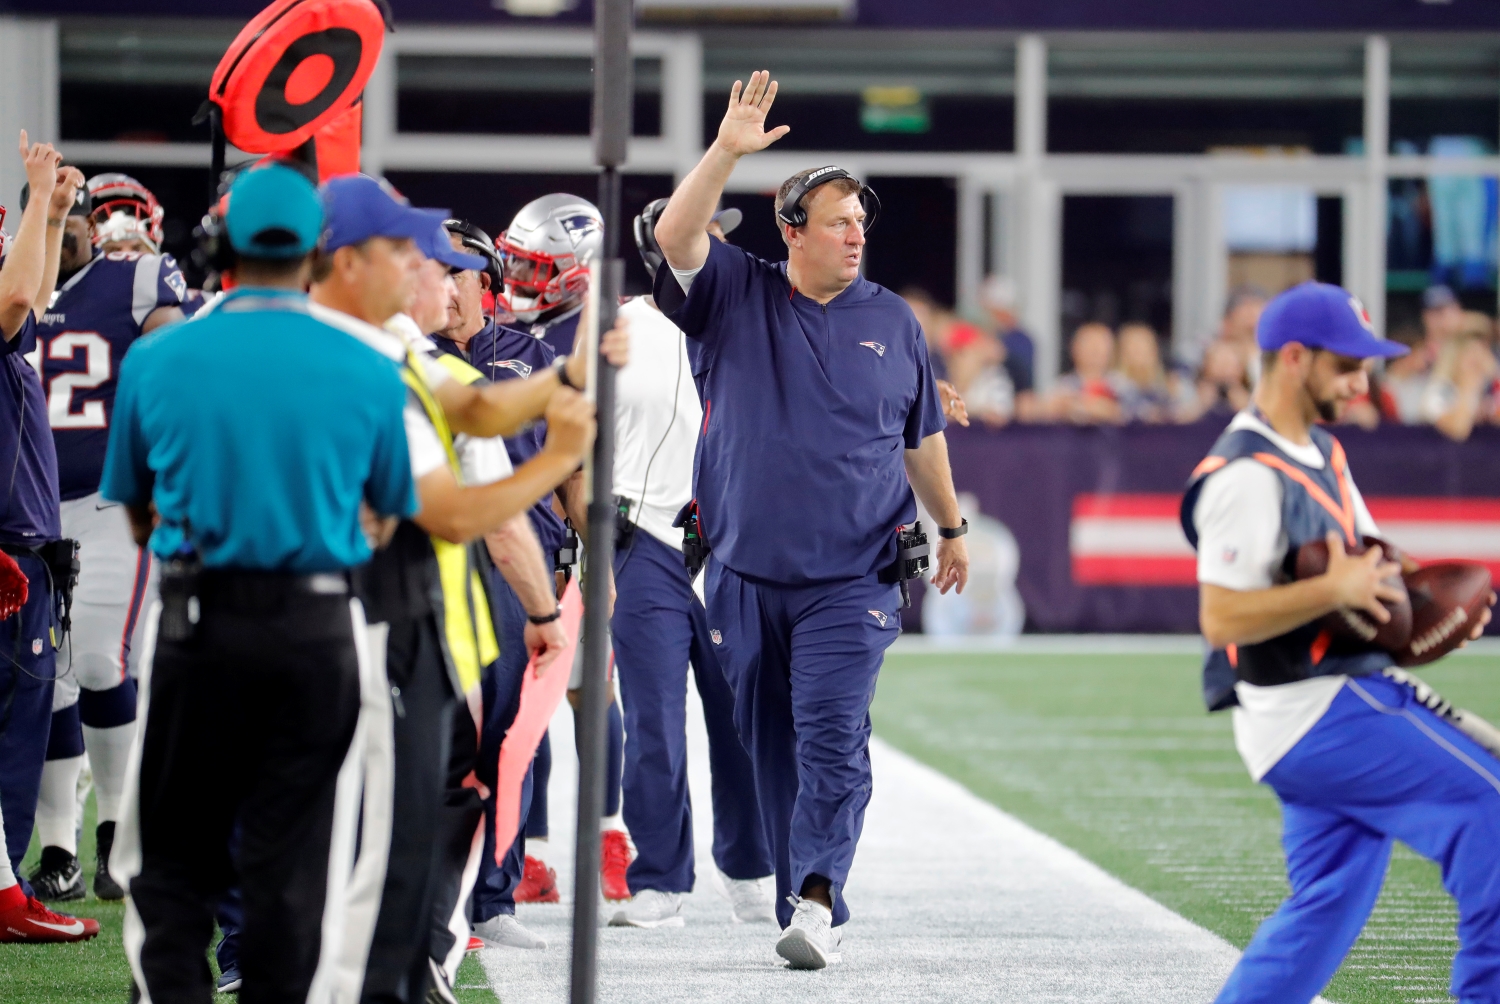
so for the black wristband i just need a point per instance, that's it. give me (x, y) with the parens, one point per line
(548, 619)
(958, 531)
(561, 366)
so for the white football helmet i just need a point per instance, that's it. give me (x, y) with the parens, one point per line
(547, 250)
(124, 210)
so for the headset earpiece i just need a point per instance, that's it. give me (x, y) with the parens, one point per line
(793, 214)
(644, 229)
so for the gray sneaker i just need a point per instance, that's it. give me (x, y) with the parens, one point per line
(810, 939)
(750, 900)
(650, 908)
(505, 931)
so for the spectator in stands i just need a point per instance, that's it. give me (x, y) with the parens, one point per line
(1223, 383)
(1462, 390)
(1090, 392)
(976, 365)
(935, 327)
(1148, 393)
(998, 298)
(1241, 315)
(1401, 386)
(1442, 315)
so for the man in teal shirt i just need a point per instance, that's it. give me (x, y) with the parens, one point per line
(254, 436)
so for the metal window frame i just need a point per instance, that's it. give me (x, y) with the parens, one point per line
(1027, 186)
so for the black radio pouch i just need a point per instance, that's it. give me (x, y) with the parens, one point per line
(695, 549)
(180, 608)
(61, 559)
(566, 556)
(912, 551)
(624, 529)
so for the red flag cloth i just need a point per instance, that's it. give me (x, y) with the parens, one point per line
(337, 144)
(13, 587)
(539, 699)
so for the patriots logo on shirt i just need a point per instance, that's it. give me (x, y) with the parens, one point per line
(515, 366)
(880, 615)
(175, 282)
(875, 347)
(714, 635)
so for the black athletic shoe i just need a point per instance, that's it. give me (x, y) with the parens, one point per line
(105, 886)
(59, 876)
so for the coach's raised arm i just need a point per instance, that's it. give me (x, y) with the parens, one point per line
(820, 417)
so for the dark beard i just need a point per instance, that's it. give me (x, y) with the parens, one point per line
(1328, 411)
(70, 253)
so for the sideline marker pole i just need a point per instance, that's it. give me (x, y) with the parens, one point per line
(613, 93)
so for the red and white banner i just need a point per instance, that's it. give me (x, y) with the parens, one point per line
(1136, 539)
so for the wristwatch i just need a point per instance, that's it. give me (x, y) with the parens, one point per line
(948, 533)
(561, 366)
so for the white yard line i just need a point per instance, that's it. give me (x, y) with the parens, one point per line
(952, 900)
(1093, 644)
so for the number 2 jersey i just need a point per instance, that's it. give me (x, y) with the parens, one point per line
(94, 319)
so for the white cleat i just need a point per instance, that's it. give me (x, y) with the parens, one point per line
(650, 908)
(750, 900)
(809, 940)
(505, 931)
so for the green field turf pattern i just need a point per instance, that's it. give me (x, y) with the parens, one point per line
(1114, 756)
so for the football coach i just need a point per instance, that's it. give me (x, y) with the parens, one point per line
(820, 418)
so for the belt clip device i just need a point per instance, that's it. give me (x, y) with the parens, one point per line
(565, 557)
(694, 548)
(911, 562)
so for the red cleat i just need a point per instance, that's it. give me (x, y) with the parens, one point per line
(538, 883)
(614, 859)
(23, 918)
(475, 944)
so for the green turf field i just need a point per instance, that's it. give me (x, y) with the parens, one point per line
(1114, 756)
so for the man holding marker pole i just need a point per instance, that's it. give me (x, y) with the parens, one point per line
(821, 417)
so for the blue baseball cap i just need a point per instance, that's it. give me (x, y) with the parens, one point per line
(274, 212)
(438, 246)
(359, 207)
(1322, 316)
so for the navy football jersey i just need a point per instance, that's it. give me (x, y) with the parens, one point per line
(558, 334)
(29, 514)
(94, 319)
(502, 353)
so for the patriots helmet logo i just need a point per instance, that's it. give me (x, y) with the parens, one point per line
(881, 616)
(580, 226)
(875, 347)
(523, 370)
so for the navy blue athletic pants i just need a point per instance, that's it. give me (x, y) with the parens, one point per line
(802, 661)
(28, 668)
(494, 890)
(1376, 768)
(659, 627)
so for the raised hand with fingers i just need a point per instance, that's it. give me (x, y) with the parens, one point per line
(744, 127)
(69, 181)
(41, 162)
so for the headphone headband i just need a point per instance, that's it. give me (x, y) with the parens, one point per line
(793, 214)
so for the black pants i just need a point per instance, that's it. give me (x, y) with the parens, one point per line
(250, 720)
(423, 701)
(458, 825)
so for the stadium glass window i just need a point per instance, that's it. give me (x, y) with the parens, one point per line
(120, 82)
(870, 90)
(1443, 88)
(512, 95)
(1132, 94)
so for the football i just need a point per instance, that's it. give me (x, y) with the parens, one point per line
(1394, 634)
(1447, 599)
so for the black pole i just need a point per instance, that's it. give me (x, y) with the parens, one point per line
(613, 92)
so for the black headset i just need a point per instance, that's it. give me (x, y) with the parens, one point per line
(793, 215)
(644, 228)
(213, 251)
(479, 242)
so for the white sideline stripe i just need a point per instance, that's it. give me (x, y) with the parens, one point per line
(1094, 644)
(952, 900)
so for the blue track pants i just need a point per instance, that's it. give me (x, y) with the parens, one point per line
(1377, 767)
(802, 661)
(660, 627)
(28, 669)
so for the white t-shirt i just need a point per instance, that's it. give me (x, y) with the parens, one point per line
(657, 415)
(1241, 544)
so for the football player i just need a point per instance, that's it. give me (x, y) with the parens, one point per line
(113, 287)
(546, 252)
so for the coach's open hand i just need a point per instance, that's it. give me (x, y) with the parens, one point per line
(744, 127)
(570, 425)
(69, 181)
(42, 163)
(952, 565)
(954, 408)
